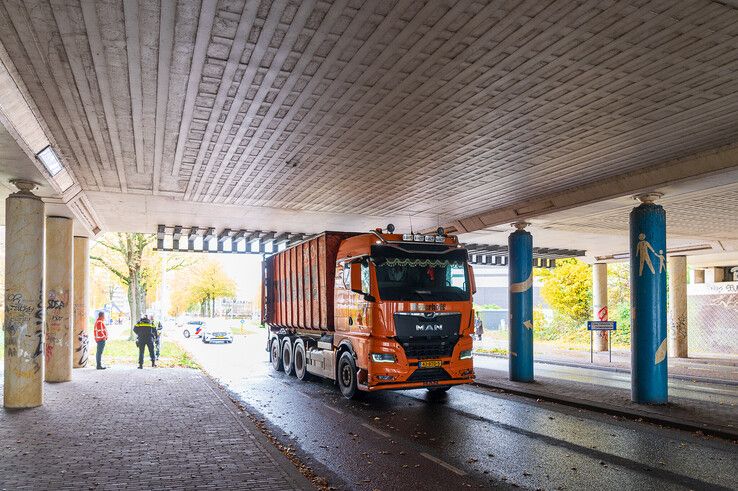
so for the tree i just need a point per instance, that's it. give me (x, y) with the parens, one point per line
(131, 258)
(209, 282)
(618, 300)
(567, 288)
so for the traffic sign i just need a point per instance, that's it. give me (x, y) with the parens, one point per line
(601, 325)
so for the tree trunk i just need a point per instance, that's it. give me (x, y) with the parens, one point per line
(141, 299)
(133, 302)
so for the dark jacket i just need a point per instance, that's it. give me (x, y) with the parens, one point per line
(144, 330)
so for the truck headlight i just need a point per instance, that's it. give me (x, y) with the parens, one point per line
(383, 358)
(465, 355)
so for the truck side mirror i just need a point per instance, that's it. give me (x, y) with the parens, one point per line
(356, 278)
(472, 282)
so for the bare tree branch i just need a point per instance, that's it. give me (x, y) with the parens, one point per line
(125, 279)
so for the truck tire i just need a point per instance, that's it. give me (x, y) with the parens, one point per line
(347, 375)
(275, 355)
(300, 361)
(287, 358)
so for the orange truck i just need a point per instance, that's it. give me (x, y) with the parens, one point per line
(372, 311)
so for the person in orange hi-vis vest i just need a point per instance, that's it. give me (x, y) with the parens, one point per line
(101, 335)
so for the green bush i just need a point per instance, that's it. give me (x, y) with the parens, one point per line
(487, 306)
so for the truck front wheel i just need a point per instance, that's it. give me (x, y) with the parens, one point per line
(275, 355)
(347, 375)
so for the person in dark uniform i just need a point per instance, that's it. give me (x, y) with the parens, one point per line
(145, 336)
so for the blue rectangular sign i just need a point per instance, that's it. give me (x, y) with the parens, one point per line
(601, 325)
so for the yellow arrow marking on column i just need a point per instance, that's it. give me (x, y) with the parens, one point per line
(660, 353)
(523, 286)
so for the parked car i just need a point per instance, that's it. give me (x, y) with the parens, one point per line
(217, 335)
(193, 328)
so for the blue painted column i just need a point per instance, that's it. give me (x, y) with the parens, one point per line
(648, 302)
(520, 250)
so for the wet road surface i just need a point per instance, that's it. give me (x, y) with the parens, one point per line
(701, 391)
(471, 438)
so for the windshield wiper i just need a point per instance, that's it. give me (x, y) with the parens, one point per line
(420, 293)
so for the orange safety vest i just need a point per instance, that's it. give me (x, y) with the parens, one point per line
(101, 333)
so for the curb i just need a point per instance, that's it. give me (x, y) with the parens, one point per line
(282, 463)
(685, 378)
(613, 410)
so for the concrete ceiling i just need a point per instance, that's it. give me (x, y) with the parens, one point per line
(349, 114)
(15, 164)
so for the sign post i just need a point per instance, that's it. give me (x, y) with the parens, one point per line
(593, 326)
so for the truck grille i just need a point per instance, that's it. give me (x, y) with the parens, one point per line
(429, 375)
(436, 348)
(427, 334)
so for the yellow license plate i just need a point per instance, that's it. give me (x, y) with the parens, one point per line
(430, 364)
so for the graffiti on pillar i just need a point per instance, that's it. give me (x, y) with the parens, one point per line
(602, 314)
(643, 253)
(39, 316)
(56, 320)
(528, 325)
(82, 349)
(21, 335)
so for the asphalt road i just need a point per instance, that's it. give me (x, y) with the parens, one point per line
(472, 438)
(703, 391)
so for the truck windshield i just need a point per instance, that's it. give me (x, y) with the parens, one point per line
(411, 276)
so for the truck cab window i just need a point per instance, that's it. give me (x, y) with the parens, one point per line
(346, 271)
(365, 278)
(418, 276)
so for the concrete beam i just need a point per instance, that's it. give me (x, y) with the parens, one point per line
(160, 234)
(649, 179)
(22, 119)
(176, 235)
(222, 238)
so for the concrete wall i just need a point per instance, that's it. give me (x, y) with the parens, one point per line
(713, 319)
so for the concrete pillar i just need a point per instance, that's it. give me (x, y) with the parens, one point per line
(599, 303)
(698, 275)
(648, 302)
(24, 290)
(59, 299)
(81, 273)
(520, 250)
(678, 306)
(714, 275)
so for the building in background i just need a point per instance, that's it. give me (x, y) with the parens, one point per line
(491, 298)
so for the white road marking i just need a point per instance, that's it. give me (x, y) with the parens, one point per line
(375, 430)
(448, 466)
(333, 409)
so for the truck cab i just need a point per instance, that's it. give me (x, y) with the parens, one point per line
(403, 307)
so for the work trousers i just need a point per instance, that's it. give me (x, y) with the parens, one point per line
(99, 352)
(143, 343)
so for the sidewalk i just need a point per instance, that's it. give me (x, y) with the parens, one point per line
(724, 370)
(124, 428)
(719, 419)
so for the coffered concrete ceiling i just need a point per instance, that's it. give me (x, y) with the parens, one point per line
(352, 113)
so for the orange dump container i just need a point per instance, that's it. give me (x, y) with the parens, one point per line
(298, 284)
